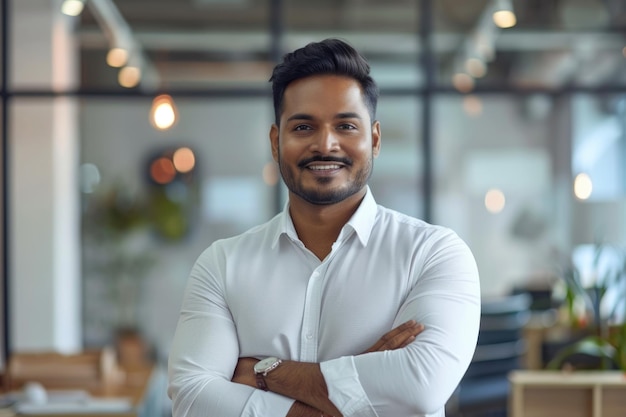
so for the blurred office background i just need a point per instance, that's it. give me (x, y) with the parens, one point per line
(512, 132)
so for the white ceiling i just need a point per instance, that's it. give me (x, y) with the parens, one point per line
(191, 42)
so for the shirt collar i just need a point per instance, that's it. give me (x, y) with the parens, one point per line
(362, 221)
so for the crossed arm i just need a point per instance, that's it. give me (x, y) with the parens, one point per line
(304, 382)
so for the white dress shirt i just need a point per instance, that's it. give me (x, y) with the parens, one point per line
(263, 293)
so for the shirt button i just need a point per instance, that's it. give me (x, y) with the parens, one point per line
(309, 336)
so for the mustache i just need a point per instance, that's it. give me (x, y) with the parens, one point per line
(319, 158)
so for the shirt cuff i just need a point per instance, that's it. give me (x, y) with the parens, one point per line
(266, 403)
(345, 389)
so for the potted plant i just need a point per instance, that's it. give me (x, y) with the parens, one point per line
(117, 258)
(598, 310)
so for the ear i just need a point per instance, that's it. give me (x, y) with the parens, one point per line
(376, 138)
(274, 141)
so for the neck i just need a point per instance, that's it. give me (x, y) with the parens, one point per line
(318, 226)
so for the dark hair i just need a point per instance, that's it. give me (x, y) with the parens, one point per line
(330, 56)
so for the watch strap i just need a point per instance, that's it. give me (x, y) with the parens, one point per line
(260, 381)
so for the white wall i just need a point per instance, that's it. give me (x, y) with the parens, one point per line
(43, 150)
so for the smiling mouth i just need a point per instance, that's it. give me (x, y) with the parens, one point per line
(325, 167)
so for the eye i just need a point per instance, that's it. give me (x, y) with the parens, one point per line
(301, 128)
(347, 126)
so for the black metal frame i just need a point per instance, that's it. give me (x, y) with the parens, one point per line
(426, 61)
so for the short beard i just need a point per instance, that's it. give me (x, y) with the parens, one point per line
(325, 197)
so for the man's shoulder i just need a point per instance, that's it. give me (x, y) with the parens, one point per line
(260, 234)
(391, 216)
(412, 227)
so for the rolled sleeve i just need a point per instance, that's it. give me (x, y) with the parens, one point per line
(345, 389)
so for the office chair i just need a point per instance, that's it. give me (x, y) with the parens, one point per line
(484, 389)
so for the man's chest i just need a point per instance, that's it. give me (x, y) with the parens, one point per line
(314, 312)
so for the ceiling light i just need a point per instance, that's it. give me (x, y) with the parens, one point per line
(495, 201)
(472, 105)
(503, 15)
(117, 57)
(583, 186)
(476, 67)
(163, 114)
(129, 76)
(184, 160)
(72, 7)
(463, 82)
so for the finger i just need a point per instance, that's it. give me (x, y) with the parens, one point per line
(403, 338)
(398, 337)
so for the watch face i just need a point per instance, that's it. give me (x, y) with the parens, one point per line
(263, 364)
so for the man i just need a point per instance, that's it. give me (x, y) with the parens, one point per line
(315, 312)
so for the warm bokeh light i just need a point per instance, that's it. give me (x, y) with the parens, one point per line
(72, 7)
(472, 105)
(463, 82)
(504, 19)
(270, 173)
(184, 160)
(162, 170)
(495, 201)
(117, 57)
(163, 112)
(476, 67)
(583, 186)
(624, 52)
(129, 77)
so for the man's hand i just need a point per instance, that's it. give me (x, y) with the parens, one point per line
(244, 372)
(397, 338)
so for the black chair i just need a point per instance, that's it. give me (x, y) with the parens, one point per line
(484, 389)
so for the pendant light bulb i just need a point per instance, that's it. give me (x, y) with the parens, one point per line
(163, 114)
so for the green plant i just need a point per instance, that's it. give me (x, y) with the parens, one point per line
(116, 251)
(606, 338)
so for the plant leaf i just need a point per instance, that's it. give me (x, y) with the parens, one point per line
(591, 345)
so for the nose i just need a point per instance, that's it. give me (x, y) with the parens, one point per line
(326, 141)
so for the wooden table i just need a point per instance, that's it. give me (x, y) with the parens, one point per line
(562, 394)
(135, 386)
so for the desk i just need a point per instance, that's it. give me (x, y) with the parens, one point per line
(574, 394)
(140, 386)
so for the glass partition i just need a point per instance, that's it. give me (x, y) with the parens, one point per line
(507, 179)
(544, 104)
(165, 195)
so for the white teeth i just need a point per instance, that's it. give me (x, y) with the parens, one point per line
(323, 167)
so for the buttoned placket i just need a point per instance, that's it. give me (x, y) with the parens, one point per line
(309, 337)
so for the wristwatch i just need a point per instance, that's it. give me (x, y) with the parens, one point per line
(262, 368)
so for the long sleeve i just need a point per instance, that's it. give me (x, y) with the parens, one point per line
(204, 354)
(419, 379)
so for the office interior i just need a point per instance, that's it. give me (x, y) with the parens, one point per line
(135, 133)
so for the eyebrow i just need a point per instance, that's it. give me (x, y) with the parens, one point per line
(304, 116)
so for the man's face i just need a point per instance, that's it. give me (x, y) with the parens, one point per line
(326, 142)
